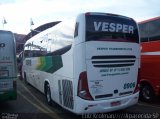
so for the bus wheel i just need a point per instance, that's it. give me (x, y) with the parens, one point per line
(25, 78)
(48, 94)
(146, 93)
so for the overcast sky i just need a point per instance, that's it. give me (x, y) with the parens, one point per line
(19, 12)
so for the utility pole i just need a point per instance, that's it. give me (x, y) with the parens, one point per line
(4, 22)
(31, 24)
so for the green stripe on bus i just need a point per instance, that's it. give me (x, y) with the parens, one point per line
(56, 64)
(40, 63)
(49, 64)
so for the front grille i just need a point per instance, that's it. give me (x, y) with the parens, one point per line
(113, 61)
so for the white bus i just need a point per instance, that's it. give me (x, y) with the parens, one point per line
(8, 66)
(86, 65)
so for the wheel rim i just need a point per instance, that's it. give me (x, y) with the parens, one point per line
(48, 95)
(146, 93)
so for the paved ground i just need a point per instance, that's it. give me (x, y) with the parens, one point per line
(31, 104)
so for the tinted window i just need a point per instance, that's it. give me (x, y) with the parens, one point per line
(154, 30)
(143, 29)
(150, 31)
(99, 27)
(76, 30)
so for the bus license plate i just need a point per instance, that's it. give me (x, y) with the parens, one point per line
(115, 103)
(6, 85)
(3, 73)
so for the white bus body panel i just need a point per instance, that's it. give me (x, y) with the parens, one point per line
(103, 80)
(102, 84)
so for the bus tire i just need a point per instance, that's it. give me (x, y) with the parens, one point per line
(146, 93)
(25, 78)
(48, 94)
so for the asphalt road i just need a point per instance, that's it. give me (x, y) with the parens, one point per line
(31, 104)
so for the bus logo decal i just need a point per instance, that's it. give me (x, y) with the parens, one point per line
(2, 45)
(113, 27)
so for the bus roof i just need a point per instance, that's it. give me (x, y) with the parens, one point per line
(4, 31)
(148, 20)
(107, 14)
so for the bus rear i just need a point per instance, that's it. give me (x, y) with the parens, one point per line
(106, 62)
(8, 70)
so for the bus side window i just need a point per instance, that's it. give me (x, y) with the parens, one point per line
(144, 35)
(34, 54)
(76, 30)
(26, 53)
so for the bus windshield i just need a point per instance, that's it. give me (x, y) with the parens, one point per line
(111, 28)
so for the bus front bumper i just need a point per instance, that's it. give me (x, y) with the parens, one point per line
(8, 95)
